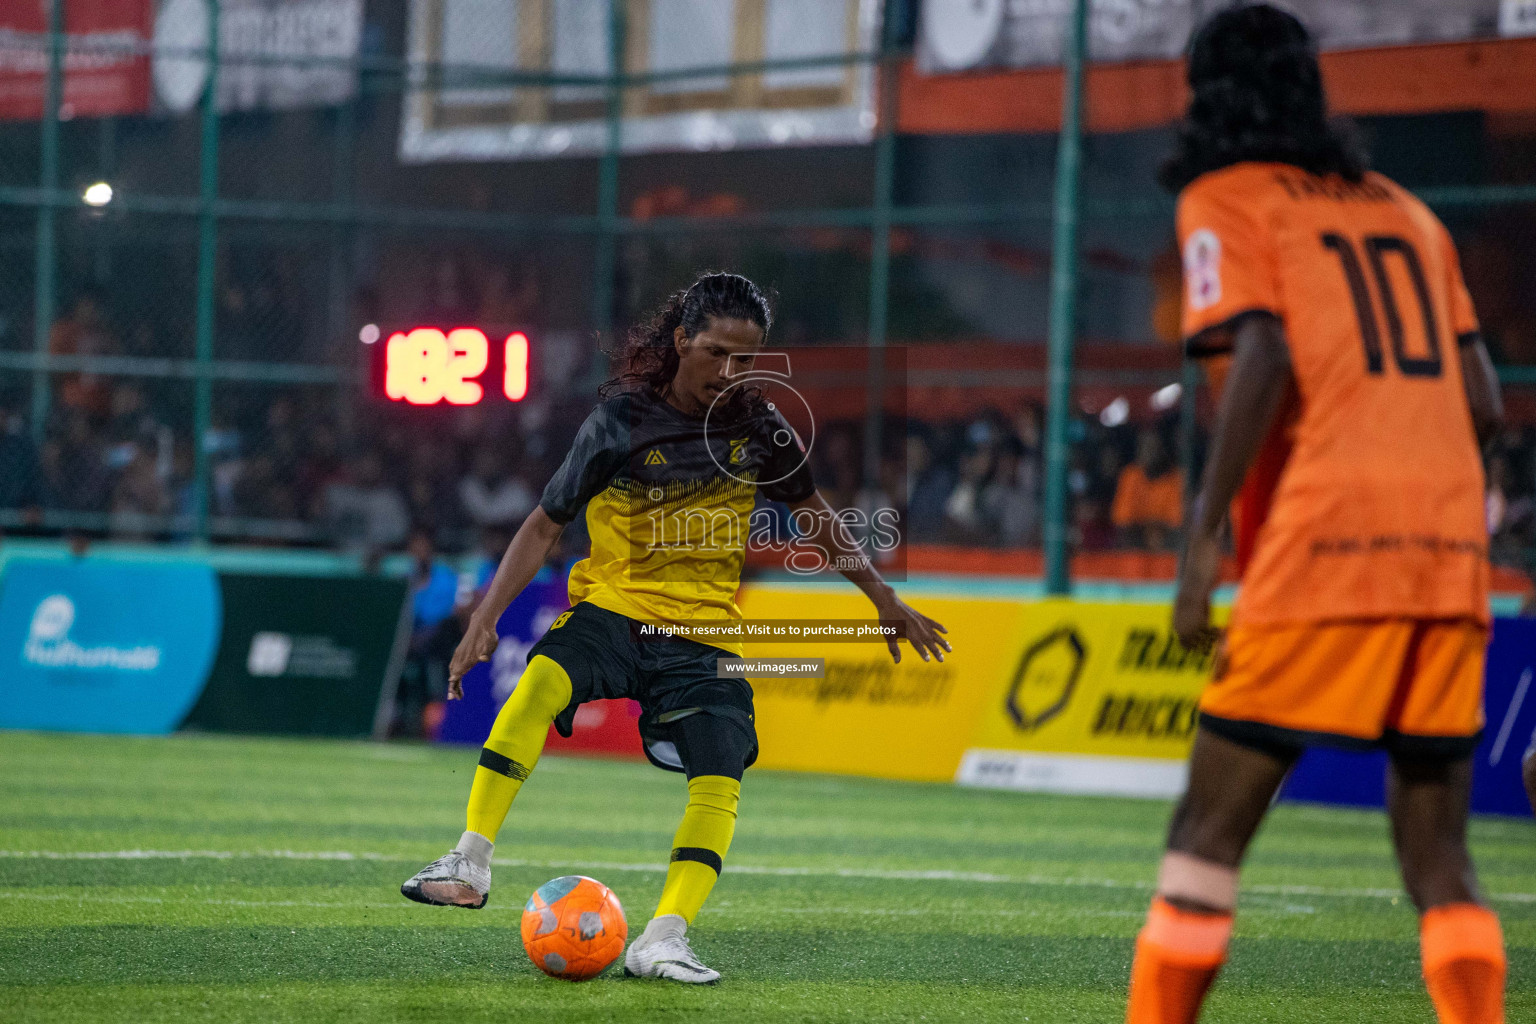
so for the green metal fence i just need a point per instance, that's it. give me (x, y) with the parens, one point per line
(218, 350)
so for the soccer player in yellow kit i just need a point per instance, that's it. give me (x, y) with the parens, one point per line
(1348, 434)
(679, 446)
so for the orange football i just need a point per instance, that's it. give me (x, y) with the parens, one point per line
(574, 928)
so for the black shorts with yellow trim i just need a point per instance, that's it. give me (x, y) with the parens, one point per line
(690, 721)
(1413, 687)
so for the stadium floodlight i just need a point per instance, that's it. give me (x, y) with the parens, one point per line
(1166, 398)
(98, 194)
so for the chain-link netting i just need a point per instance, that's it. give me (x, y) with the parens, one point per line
(204, 353)
(114, 458)
(18, 259)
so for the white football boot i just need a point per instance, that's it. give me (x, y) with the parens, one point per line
(662, 951)
(459, 878)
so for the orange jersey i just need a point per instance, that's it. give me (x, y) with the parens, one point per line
(1373, 479)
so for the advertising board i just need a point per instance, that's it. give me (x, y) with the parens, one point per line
(106, 68)
(97, 645)
(101, 646)
(603, 727)
(1097, 698)
(301, 655)
(866, 715)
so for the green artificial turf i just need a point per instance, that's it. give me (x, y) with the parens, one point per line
(257, 880)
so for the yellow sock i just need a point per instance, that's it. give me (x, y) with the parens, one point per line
(699, 848)
(515, 742)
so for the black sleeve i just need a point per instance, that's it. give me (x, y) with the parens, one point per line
(787, 469)
(596, 455)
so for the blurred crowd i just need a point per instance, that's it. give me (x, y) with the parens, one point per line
(321, 467)
(295, 466)
(1511, 486)
(978, 482)
(310, 470)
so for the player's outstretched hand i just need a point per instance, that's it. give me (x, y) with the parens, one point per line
(1192, 605)
(478, 645)
(921, 631)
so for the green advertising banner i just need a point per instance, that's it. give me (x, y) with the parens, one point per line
(303, 655)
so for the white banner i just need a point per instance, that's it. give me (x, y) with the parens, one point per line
(967, 35)
(273, 54)
(474, 117)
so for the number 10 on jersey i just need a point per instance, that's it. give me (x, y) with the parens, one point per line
(426, 366)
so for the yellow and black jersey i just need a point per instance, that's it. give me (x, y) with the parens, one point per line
(669, 498)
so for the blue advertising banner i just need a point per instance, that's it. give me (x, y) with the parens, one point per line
(101, 646)
(487, 687)
(1341, 777)
(1511, 710)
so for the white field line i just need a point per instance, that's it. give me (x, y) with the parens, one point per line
(959, 912)
(65, 897)
(881, 874)
(62, 897)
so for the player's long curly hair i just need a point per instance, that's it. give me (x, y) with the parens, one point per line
(650, 356)
(1258, 95)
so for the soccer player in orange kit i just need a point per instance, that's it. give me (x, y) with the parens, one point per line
(1348, 434)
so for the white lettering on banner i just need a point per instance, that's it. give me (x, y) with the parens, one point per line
(1073, 774)
(27, 52)
(969, 35)
(326, 29)
(49, 646)
(276, 55)
(511, 657)
(269, 654)
(507, 666)
(274, 654)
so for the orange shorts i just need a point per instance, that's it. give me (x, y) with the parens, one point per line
(1413, 686)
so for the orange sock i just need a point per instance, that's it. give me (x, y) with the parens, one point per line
(1177, 956)
(1464, 963)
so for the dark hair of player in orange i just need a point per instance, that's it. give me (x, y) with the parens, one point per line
(650, 356)
(1257, 94)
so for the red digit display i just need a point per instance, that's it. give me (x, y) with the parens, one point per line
(431, 366)
(515, 378)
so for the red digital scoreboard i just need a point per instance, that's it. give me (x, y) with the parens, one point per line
(461, 366)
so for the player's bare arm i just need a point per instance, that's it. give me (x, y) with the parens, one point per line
(831, 538)
(527, 552)
(1256, 388)
(1482, 386)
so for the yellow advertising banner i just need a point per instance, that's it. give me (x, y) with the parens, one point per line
(867, 716)
(1052, 695)
(1098, 698)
